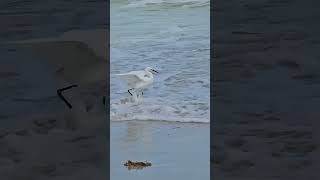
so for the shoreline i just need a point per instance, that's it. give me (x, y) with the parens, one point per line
(160, 121)
(170, 147)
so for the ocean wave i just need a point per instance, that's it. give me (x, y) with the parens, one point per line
(159, 118)
(158, 109)
(166, 3)
(178, 49)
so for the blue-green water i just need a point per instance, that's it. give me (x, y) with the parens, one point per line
(176, 150)
(171, 36)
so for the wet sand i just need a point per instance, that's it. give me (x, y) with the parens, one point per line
(35, 142)
(40, 137)
(265, 90)
(176, 150)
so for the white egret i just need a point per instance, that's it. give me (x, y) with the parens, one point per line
(138, 80)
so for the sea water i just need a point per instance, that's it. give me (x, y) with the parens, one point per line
(173, 37)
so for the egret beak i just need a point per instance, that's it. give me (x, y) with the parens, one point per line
(154, 71)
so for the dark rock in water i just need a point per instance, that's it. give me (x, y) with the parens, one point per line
(136, 164)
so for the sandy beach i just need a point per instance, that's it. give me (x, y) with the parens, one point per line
(265, 90)
(40, 137)
(176, 150)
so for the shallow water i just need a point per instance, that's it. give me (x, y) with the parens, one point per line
(170, 147)
(172, 37)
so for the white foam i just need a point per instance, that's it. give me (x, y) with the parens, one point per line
(155, 109)
(183, 3)
(178, 49)
(159, 118)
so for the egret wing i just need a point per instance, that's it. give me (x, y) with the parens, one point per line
(131, 78)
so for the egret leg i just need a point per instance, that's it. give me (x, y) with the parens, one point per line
(130, 92)
(142, 93)
(59, 92)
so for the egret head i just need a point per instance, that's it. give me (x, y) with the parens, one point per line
(151, 70)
